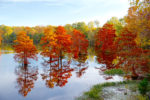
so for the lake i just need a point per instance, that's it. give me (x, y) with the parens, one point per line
(38, 81)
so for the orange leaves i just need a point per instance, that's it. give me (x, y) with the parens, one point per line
(24, 47)
(79, 43)
(48, 42)
(55, 42)
(63, 42)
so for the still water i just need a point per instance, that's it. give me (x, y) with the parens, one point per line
(33, 82)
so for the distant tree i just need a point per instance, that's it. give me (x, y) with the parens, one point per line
(91, 33)
(68, 28)
(81, 26)
(7, 31)
(1, 32)
(117, 24)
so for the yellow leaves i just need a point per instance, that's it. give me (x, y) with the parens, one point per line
(8, 30)
(115, 61)
(138, 40)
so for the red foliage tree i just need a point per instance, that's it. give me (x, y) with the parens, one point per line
(105, 45)
(132, 58)
(79, 43)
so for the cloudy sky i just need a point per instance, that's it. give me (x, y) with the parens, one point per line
(59, 12)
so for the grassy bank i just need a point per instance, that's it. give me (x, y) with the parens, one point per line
(95, 93)
(114, 72)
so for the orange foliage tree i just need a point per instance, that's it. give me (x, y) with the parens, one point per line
(79, 43)
(55, 45)
(24, 48)
(105, 45)
(63, 41)
(48, 42)
(131, 57)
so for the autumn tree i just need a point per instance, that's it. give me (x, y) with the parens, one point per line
(24, 48)
(81, 26)
(1, 32)
(117, 24)
(91, 32)
(79, 43)
(131, 57)
(68, 28)
(55, 44)
(7, 32)
(138, 20)
(105, 45)
(48, 42)
(63, 41)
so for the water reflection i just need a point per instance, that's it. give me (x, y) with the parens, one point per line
(105, 58)
(80, 64)
(26, 77)
(57, 68)
(57, 71)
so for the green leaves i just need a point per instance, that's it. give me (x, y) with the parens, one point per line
(143, 86)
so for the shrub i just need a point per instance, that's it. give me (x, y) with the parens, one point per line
(143, 86)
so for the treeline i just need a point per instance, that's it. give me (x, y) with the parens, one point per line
(8, 34)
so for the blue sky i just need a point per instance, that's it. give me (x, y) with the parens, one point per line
(59, 12)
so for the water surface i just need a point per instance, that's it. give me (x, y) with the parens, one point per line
(15, 79)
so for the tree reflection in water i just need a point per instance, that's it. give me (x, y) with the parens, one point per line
(80, 64)
(57, 71)
(26, 76)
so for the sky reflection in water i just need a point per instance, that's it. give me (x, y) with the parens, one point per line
(76, 85)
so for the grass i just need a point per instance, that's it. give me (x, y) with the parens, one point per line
(114, 72)
(96, 91)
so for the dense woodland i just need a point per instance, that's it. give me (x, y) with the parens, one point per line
(119, 43)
